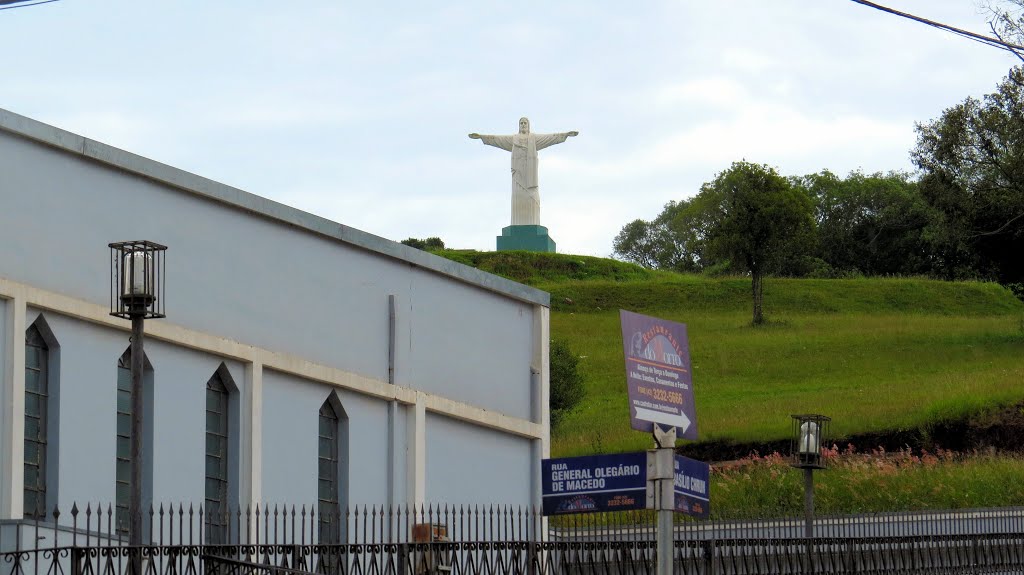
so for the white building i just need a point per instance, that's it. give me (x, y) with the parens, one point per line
(351, 369)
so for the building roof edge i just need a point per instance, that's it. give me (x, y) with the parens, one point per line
(204, 187)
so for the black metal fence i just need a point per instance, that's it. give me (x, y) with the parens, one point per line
(479, 540)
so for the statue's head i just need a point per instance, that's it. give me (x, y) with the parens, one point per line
(524, 125)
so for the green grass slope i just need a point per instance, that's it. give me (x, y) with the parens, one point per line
(874, 354)
(869, 372)
(533, 268)
(701, 295)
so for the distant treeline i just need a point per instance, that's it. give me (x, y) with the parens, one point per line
(961, 216)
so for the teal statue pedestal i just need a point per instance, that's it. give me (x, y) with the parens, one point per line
(526, 238)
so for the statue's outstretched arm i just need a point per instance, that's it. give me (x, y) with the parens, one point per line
(503, 142)
(545, 140)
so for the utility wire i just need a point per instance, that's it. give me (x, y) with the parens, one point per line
(996, 32)
(27, 5)
(994, 42)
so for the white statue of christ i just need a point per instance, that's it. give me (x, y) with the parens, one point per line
(524, 146)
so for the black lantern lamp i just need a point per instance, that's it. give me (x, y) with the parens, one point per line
(136, 293)
(810, 433)
(137, 279)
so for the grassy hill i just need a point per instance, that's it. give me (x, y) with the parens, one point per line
(877, 355)
(537, 268)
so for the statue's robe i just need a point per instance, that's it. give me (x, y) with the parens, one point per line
(525, 192)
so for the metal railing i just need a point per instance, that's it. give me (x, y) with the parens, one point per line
(503, 540)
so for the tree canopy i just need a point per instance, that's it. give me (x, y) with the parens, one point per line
(867, 224)
(758, 221)
(749, 219)
(972, 160)
(671, 241)
(429, 244)
(960, 217)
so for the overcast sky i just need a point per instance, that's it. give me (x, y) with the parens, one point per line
(359, 112)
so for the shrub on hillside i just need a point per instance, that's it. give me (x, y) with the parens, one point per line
(428, 245)
(1017, 289)
(566, 380)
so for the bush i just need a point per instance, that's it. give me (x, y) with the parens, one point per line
(1017, 289)
(566, 380)
(429, 244)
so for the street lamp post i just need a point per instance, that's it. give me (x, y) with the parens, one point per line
(809, 434)
(136, 293)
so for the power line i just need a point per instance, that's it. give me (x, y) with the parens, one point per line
(994, 42)
(27, 5)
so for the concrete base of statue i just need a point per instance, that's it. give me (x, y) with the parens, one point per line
(525, 238)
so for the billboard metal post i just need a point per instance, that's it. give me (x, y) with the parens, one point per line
(661, 489)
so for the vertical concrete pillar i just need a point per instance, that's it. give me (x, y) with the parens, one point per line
(416, 455)
(12, 448)
(393, 453)
(541, 387)
(251, 457)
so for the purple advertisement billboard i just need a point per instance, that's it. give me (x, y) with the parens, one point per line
(658, 374)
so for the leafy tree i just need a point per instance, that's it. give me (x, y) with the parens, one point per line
(758, 221)
(869, 224)
(429, 244)
(972, 158)
(657, 244)
(565, 379)
(638, 243)
(877, 224)
(674, 240)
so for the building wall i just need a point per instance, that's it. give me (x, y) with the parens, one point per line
(86, 437)
(482, 467)
(290, 442)
(259, 281)
(291, 307)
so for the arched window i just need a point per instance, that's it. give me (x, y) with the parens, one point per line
(37, 399)
(217, 446)
(329, 509)
(123, 471)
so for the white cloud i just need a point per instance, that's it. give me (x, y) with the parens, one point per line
(712, 91)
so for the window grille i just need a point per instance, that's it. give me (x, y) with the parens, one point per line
(37, 395)
(124, 441)
(327, 476)
(216, 460)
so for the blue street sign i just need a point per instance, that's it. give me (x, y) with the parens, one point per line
(691, 486)
(594, 483)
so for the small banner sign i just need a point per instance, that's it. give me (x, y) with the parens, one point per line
(658, 374)
(594, 483)
(691, 486)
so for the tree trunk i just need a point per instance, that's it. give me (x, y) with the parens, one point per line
(755, 288)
